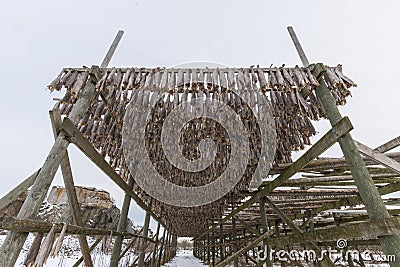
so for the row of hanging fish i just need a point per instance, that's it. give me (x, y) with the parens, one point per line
(288, 90)
(164, 80)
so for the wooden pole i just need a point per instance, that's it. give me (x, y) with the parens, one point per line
(264, 225)
(378, 157)
(395, 142)
(65, 165)
(131, 243)
(29, 225)
(208, 249)
(14, 241)
(145, 233)
(368, 192)
(221, 241)
(93, 246)
(153, 258)
(121, 226)
(18, 190)
(236, 262)
(160, 255)
(299, 49)
(112, 49)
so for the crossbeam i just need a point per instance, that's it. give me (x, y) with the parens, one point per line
(378, 157)
(29, 226)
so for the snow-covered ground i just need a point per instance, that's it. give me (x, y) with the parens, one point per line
(70, 253)
(184, 258)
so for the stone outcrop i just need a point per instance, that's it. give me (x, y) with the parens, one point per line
(97, 207)
(13, 208)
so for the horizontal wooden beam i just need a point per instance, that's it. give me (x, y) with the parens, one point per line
(29, 226)
(369, 229)
(350, 201)
(329, 163)
(373, 228)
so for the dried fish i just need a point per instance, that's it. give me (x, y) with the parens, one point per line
(71, 80)
(111, 76)
(79, 83)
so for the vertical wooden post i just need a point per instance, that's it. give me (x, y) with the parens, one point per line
(93, 246)
(162, 248)
(264, 227)
(166, 244)
(121, 226)
(221, 241)
(196, 246)
(369, 193)
(208, 248)
(153, 258)
(213, 248)
(66, 171)
(174, 244)
(145, 233)
(204, 249)
(236, 262)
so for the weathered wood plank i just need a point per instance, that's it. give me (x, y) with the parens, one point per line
(248, 247)
(121, 226)
(112, 49)
(395, 142)
(378, 157)
(299, 49)
(142, 251)
(55, 117)
(93, 246)
(329, 163)
(387, 189)
(370, 229)
(29, 225)
(18, 190)
(373, 228)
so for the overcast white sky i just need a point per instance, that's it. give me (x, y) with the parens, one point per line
(39, 38)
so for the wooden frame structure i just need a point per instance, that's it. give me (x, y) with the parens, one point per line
(283, 212)
(65, 132)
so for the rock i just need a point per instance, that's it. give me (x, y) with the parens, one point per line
(97, 207)
(13, 208)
